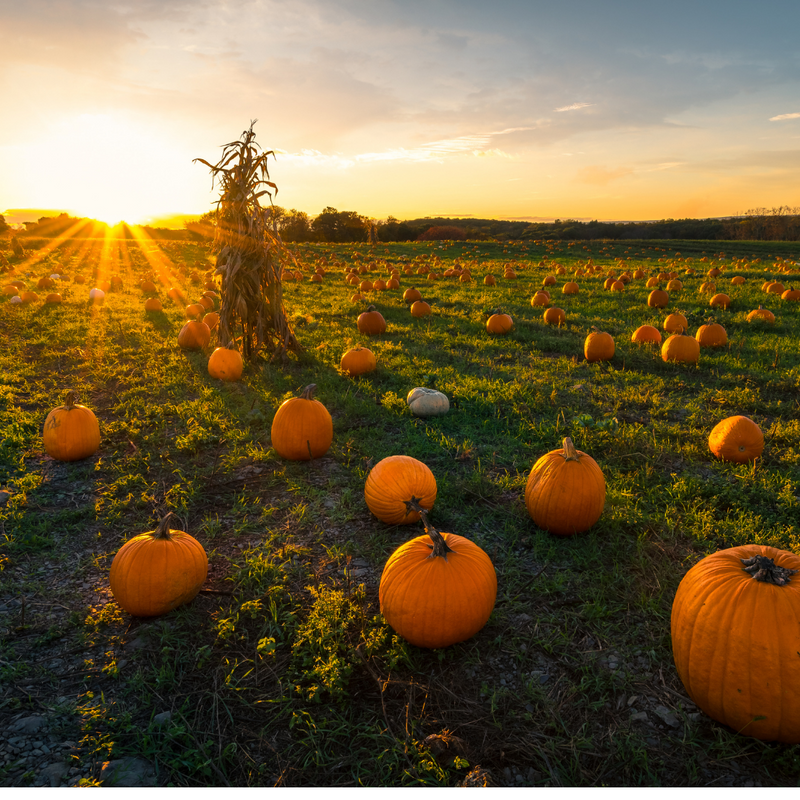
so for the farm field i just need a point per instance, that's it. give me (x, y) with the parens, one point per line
(282, 670)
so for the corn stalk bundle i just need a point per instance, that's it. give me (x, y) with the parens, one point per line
(249, 252)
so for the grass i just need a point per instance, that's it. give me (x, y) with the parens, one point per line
(282, 671)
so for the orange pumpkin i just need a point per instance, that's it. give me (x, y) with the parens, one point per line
(71, 432)
(735, 640)
(371, 322)
(599, 346)
(358, 361)
(153, 304)
(555, 316)
(155, 572)
(658, 298)
(394, 484)
(440, 594)
(711, 335)
(499, 324)
(420, 309)
(646, 334)
(302, 428)
(679, 347)
(566, 491)
(226, 363)
(736, 439)
(194, 335)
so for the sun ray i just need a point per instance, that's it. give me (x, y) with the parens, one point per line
(43, 252)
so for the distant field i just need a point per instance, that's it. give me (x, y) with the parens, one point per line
(282, 671)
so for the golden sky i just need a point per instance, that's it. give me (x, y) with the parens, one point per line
(512, 109)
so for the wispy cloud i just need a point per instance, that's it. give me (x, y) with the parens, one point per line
(574, 107)
(795, 115)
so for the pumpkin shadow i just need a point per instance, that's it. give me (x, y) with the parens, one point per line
(160, 321)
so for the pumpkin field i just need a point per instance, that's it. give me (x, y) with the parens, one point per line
(545, 656)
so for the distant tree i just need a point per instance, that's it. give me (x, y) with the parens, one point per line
(442, 233)
(4, 226)
(295, 226)
(339, 226)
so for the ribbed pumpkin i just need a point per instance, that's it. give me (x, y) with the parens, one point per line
(302, 428)
(71, 431)
(711, 334)
(646, 334)
(720, 301)
(599, 346)
(371, 322)
(194, 335)
(226, 363)
(153, 304)
(396, 482)
(419, 308)
(676, 323)
(566, 491)
(761, 315)
(440, 594)
(425, 402)
(736, 439)
(658, 298)
(735, 640)
(411, 295)
(499, 324)
(358, 361)
(158, 571)
(681, 348)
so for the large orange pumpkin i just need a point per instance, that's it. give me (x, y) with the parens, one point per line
(440, 594)
(646, 334)
(499, 324)
(157, 571)
(679, 347)
(302, 428)
(566, 491)
(394, 484)
(371, 322)
(599, 346)
(226, 363)
(735, 640)
(194, 335)
(712, 334)
(358, 361)
(71, 431)
(737, 439)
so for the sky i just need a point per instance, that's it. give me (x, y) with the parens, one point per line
(578, 109)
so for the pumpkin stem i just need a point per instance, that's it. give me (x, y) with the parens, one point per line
(162, 531)
(570, 451)
(71, 401)
(765, 570)
(439, 546)
(308, 392)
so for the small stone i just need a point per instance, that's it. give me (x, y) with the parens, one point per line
(28, 725)
(640, 717)
(162, 718)
(668, 716)
(127, 772)
(544, 678)
(53, 773)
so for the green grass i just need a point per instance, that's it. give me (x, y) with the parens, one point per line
(284, 672)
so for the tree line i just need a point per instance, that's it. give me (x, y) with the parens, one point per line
(780, 223)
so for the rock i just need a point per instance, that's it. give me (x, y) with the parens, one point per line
(668, 716)
(162, 718)
(127, 772)
(640, 717)
(53, 773)
(27, 726)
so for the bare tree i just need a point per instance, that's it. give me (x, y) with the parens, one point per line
(249, 252)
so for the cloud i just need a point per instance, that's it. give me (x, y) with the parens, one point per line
(795, 115)
(600, 176)
(573, 107)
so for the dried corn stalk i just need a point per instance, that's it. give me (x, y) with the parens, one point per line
(249, 252)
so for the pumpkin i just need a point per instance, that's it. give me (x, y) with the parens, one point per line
(153, 304)
(570, 288)
(193, 311)
(566, 491)
(555, 316)
(54, 297)
(646, 334)
(737, 439)
(427, 402)
(489, 280)
(411, 295)
(499, 324)
(658, 298)
(420, 309)
(194, 335)
(711, 334)
(735, 640)
(97, 296)
(540, 299)
(371, 322)
(396, 482)
(682, 348)
(212, 320)
(440, 594)
(676, 323)
(761, 315)
(358, 361)
(674, 285)
(158, 571)
(71, 432)
(598, 346)
(302, 428)
(226, 363)
(720, 301)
